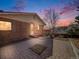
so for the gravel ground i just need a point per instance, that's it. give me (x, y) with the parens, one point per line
(62, 49)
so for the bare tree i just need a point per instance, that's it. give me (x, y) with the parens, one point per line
(19, 5)
(51, 17)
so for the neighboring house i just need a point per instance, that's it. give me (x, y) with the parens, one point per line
(19, 25)
(73, 29)
(60, 31)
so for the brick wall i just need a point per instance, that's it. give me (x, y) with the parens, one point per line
(19, 31)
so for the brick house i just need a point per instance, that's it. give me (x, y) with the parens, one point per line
(18, 25)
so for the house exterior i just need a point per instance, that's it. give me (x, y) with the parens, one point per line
(73, 30)
(18, 25)
(60, 31)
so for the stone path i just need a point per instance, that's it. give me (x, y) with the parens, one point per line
(21, 50)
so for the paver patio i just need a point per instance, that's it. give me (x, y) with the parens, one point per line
(21, 50)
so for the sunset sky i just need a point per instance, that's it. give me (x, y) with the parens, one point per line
(39, 5)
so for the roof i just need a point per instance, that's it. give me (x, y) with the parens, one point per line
(60, 30)
(21, 16)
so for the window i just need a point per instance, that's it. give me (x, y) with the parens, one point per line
(5, 25)
(38, 27)
(32, 27)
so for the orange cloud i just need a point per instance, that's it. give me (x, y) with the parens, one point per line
(64, 22)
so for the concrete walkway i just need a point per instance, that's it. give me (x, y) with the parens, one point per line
(62, 49)
(21, 50)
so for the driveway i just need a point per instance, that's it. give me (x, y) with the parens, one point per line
(21, 50)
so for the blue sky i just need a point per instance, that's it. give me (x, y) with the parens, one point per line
(6, 4)
(31, 5)
(37, 5)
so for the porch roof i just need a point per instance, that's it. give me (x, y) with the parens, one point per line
(23, 16)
